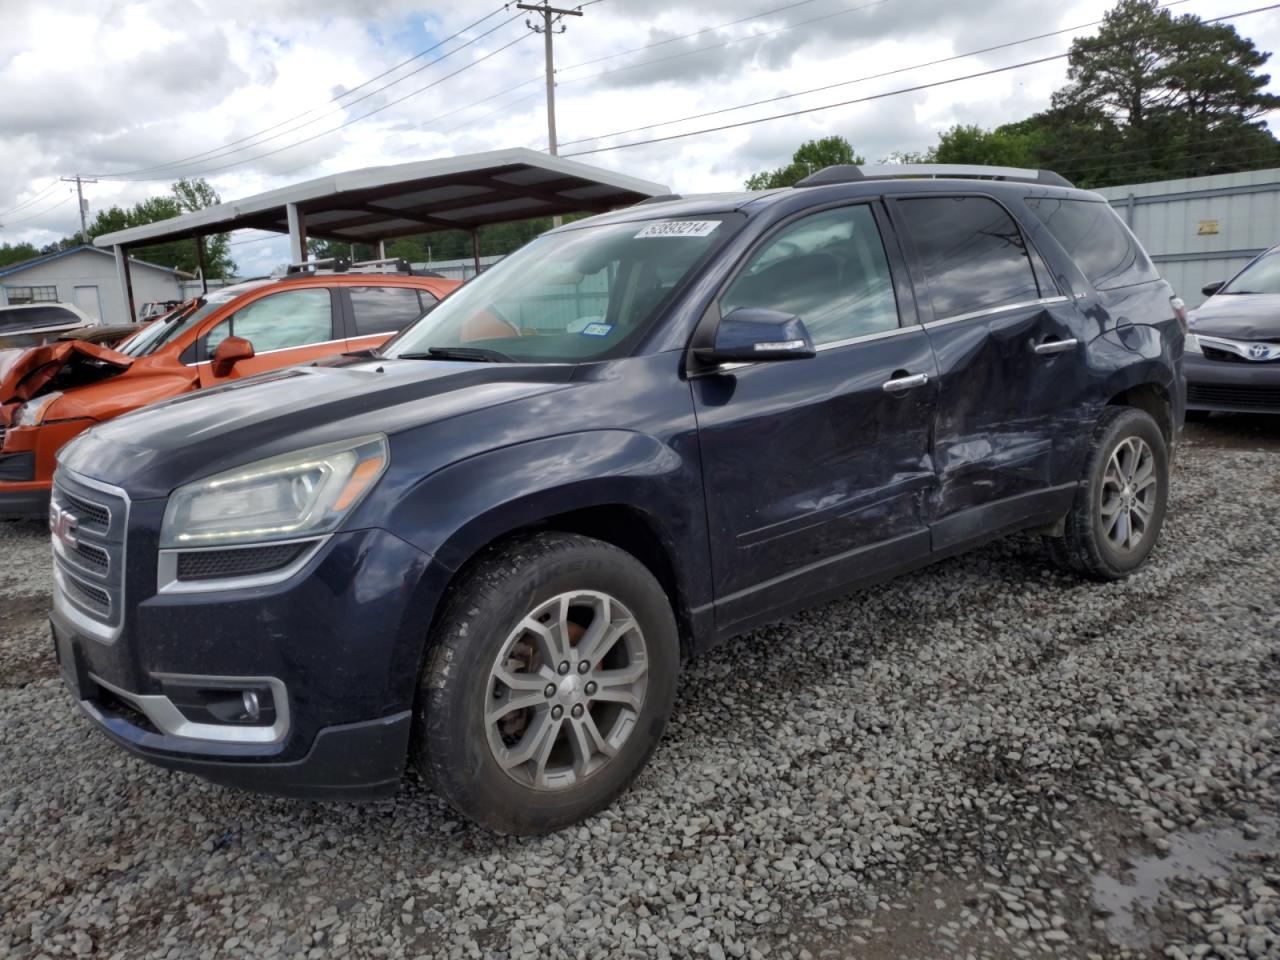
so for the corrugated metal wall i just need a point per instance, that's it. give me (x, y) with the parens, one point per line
(1175, 220)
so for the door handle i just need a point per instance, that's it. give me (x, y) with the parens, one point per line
(1050, 347)
(905, 383)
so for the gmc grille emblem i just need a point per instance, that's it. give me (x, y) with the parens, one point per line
(63, 525)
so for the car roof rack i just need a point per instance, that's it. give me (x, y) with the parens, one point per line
(660, 198)
(325, 265)
(343, 265)
(849, 173)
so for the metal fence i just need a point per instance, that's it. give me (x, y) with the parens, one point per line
(1202, 228)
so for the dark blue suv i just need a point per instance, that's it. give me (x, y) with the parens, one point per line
(485, 547)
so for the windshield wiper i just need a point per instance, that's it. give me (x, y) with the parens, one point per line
(474, 354)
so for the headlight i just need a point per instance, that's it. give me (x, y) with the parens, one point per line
(1192, 344)
(299, 494)
(31, 413)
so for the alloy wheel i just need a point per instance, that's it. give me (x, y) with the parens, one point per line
(566, 690)
(1129, 492)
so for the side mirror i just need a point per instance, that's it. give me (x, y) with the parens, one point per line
(747, 335)
(1209, 289)
(230, 352)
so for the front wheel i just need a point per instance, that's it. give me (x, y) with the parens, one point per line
(1119, 509)
(547, 684)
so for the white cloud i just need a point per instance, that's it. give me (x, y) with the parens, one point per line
(111, 86)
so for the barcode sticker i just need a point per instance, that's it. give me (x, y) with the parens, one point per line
(679, 228)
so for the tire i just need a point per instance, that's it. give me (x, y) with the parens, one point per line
(1092, 544)
(487, 628)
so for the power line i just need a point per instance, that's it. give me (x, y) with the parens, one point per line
(347, 123)
(729, 42)
(695, 33)
(844, 83)
(36, 216)
(346, 93)
(876, 96)
(31, 200)
(623, 53)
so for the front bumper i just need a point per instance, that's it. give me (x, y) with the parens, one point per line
(1231, 387)
(24, 501)
(28, 457)
(340, 642)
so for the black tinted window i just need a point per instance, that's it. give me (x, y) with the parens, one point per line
(1097, 241)
(385, 309)
(50, 316)
(973, 254)
(829, 269)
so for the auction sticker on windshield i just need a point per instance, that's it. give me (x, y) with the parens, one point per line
(679, 228)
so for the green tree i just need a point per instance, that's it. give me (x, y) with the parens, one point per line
(185, 196)
(1152, 96)
(17, 252)
(811, 157)
(1006, 146)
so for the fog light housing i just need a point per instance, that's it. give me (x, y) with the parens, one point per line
(234, 703)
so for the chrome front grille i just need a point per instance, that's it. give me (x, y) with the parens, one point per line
(88, 521)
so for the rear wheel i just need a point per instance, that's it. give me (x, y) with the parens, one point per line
(1118, 511)
(548, 683)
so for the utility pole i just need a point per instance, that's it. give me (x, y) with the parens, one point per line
(84, 208)
(551, 16)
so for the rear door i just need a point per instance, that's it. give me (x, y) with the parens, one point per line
(285, 327)
(817, 472)
(376, 313)
(1011, 365)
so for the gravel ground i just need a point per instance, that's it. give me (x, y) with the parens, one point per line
(987, 759)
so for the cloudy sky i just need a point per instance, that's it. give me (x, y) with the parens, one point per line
(250, 93)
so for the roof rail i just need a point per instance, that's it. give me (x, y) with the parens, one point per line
(343, 265)
(660, 198)
(848, 173)
(326, 265)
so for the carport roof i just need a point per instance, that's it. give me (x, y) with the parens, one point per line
(380, 203)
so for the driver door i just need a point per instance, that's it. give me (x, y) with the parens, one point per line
(817, 472)
(285, 327)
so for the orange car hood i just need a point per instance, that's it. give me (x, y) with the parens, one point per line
(24, 372)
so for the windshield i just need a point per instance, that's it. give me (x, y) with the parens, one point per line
(1261, 276)
(159, 332)
(583, 294)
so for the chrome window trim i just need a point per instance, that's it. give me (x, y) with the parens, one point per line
(1240, 347)
(818, 348)
(867, 337)
(161, 711)
(167, 567)
(267, 353)
(989, 311)
(62, 602)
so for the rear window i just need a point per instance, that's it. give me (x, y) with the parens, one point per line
(973, 254)
(386, 309)
(35, 317)
(1100, 244)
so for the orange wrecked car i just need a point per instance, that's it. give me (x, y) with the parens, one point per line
(50, 394)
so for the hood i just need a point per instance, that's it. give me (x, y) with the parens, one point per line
(24, 373)
(1239, 316)
(165, 445)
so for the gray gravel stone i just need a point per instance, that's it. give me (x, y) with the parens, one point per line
(940, 767)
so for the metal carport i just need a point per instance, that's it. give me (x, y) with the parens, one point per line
(381, 203)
